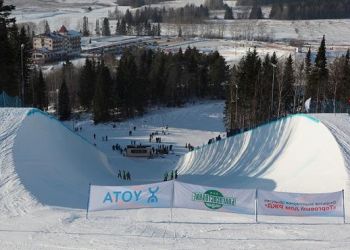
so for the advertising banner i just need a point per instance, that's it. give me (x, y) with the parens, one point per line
(157, 195)
(295, 204)
(214, 199)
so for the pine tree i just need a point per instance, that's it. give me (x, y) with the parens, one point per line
(9, 52)
(64, 108)
(228, 13)
(47, 29)
(179, 33)
(25, 44)
(321, 76)
(256, 12)
(86, 31)
(41, 101)
(97, 28)
(102, 98)
(87, 80)
(287, 88)
(105, 28)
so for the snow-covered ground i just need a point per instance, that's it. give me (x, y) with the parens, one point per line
(46, 168)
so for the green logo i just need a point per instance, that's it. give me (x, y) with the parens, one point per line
(213, 199)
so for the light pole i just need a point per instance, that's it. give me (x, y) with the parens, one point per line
(273, 86)
(22, 80)
(236, 115)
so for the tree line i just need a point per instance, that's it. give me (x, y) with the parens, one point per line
(311, 9)
(263, 89)
(143, 78)
(18, 75)
(303, 9)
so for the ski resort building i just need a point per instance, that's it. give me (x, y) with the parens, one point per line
(57, 45)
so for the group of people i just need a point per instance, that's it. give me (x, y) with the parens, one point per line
(212, 140)
(117, 147)
(172, 175)
(77, 129)
(158, 139)
(189, 146)
(124, 176)
(162, 149)
(130, 131)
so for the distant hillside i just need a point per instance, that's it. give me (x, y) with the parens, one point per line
(304, 9)
(59, 3)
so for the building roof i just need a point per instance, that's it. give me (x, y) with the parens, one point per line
(63, 29)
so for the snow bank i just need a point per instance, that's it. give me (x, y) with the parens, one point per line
(295, 154)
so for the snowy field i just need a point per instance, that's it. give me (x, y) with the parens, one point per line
(71, 13)
(46, 169)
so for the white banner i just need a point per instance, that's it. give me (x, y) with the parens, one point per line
(157, 195)
(214, 199)
(295, 204)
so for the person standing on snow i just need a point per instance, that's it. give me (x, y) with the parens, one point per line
(166, 176)
(119, 174)
(128, 176)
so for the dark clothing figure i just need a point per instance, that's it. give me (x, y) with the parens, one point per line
(94, 136)
(119, 174)
(106, 138)
(175, 174)
(124, 175)
(171, 175)
(166, 176)
(113, 147)
(130, 133)
(128, 176)
(134, 128)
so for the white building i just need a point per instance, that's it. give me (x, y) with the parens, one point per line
(56, 46)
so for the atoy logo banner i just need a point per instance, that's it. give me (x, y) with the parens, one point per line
(295, 204)
(157, 195)
(214, 199)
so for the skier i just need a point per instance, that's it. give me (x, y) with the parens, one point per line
(175, 174)
(171, 175)
(94, 136)
(124, 176)
(119, 174)
(166, 176)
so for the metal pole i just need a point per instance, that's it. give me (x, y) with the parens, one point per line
(172, 202)
(22, 66)
(236, 104)
(343, 206)
(88, 202)
(256, 205)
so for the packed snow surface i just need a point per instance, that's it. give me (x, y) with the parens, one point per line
(46, 168)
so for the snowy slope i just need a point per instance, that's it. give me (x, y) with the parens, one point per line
(296, 154)
(48, 163)
(43, 162)
(15, 199)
